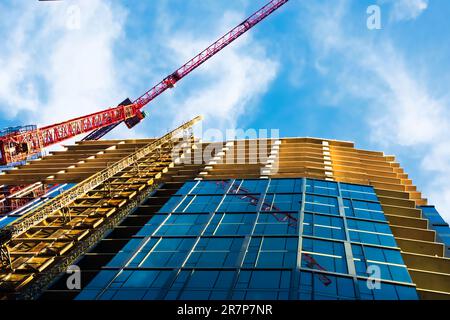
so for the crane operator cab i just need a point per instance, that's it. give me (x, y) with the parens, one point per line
(13, 151)
(13, 146)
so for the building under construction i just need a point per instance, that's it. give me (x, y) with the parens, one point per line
(289, 218)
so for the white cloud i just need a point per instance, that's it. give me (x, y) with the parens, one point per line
(233, 80)
(82, 73)
(402, 113)
(229, 82)
(408, 9)
(50, 72)
(223, 89)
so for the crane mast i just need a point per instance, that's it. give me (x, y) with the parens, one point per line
(19, 146)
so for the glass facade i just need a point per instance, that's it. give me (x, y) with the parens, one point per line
(284, 239)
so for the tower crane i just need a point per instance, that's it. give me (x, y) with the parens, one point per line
(20, 145)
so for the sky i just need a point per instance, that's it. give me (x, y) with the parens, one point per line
(313, 68)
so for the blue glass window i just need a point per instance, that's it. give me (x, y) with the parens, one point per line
(272, 252)
(186, 187)
(389, 262)
(282, 202)
(183, 224)
(386, 291)
(249, 186)
(321, 204)
(201, 284)
(224, 224)
(358, 192)
(363, 210)
(167, 252)
(216, 252)
(370, 232)
(127, 285)
(270, 279)
(139, 246)
(262, 285)
(191, 204)
(239, 203)
(152, 225)
(320, 286)
(277, 223)
(207, 187)
(210, 242)
(323, 255)
(171, 204)
(285, 186)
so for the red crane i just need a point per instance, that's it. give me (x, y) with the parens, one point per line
(19, 146)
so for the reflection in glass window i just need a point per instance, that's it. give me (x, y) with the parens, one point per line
(249, 186)
(167, 252)
(389, 262)
(387, 291)
(321, 204)
(211, 187)
(215, 252)
(282, 202)
(171, 204)
(271, 252)
(320, 187)
(322, 226)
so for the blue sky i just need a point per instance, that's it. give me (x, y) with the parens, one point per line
(311, 69)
